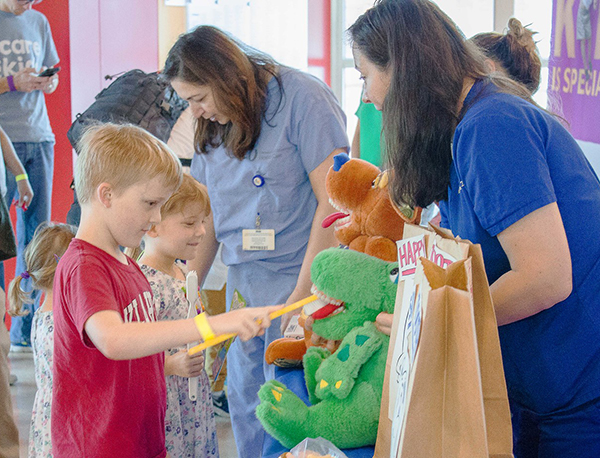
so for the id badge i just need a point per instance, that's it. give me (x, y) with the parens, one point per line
(258, 239)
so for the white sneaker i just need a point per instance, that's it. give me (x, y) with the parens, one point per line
(20, 348)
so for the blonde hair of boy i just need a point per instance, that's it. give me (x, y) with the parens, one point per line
(190, 191)
(41, 256)
(122, 155)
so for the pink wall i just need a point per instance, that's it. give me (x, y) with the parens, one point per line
(84, 27)
(108, 37)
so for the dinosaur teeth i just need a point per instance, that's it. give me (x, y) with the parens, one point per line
(338, 310)
(343, 222)
(338, 207)
(324, 298)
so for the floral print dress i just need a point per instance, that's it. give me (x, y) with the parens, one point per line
(42, 334)
(189, 425)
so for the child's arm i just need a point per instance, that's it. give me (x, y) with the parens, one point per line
(14, 166)
(118, 340)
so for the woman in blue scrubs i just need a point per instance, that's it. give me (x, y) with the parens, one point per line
(510, 177)
(265, 138)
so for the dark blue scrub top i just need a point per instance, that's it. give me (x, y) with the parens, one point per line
(509, 159)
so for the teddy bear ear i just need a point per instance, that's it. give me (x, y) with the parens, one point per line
(381, 181)
(339, 160)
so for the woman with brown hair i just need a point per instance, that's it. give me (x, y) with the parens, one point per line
(509, 177)
(513, 53)
(265, 138)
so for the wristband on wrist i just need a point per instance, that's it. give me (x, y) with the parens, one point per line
(203, 326)
(21, 177)
(11, 83)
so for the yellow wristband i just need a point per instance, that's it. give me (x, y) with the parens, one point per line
(203, 326)
(21, 177)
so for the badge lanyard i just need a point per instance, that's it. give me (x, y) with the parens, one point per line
(258, 239)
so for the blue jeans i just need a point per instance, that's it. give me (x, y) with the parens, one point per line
(571, 434)
(38, 160)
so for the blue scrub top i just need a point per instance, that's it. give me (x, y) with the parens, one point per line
(509, 159)
(302, 127)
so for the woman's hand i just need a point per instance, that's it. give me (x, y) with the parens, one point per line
(184, 365)
(319, 341)
(383, 322)
(25, 194)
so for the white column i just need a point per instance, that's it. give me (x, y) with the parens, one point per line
(503, 11)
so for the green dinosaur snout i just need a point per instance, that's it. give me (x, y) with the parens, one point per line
(362, 284)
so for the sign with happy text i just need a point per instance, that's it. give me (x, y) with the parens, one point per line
(574, 66)
(409, 251)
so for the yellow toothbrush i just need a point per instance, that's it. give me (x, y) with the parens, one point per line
(223, 337)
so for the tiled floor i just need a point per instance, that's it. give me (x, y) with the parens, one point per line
(24, 391)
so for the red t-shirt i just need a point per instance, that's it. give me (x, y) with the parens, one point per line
(102, 407)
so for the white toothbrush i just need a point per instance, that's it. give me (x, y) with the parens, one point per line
(191, 294)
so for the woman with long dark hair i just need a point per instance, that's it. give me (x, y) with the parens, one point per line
(265, 138)
(508, 176)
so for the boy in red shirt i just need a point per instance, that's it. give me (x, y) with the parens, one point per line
(109, 393)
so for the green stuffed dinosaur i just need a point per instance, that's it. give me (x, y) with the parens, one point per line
(345, 387)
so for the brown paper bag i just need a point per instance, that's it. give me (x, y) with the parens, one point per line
(495, 397)
(492, 417)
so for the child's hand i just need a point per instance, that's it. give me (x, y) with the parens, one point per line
(247, 323)
(25, 194)
(184, 365)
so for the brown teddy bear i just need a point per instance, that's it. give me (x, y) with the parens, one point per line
(366, 220)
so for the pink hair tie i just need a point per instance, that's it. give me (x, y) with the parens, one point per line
(25, 275)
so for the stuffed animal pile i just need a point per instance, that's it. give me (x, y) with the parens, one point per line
(366, 222)
(344, 385)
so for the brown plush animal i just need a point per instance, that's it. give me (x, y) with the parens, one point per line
(366, 221)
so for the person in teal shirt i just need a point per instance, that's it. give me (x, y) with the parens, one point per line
(366, 143)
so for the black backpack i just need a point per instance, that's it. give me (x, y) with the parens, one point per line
(136, 97)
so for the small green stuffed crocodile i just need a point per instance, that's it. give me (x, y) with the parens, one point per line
(344, 388)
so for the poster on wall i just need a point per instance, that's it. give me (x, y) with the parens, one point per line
(574, 66)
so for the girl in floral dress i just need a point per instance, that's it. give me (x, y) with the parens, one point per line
(189, 425)
(49, 243)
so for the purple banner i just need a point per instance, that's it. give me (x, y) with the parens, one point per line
(574, 68)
